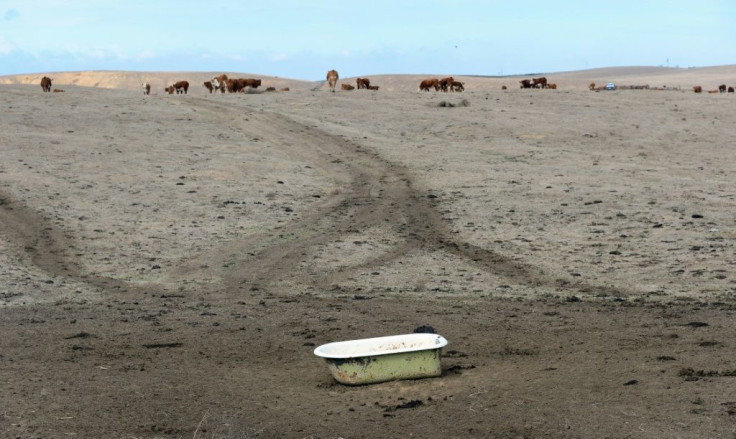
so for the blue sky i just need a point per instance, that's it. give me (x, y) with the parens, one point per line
(304, 39)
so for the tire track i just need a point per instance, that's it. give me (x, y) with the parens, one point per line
(374, 193)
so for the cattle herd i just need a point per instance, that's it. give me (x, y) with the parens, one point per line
(223, 83)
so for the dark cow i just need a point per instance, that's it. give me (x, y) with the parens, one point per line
(372, 87)
(697, 89)
(208, 86)
(446, 83)
(730, 89)
(46, 84)
(526, 83)
(722, 88)
(432, 82)
(58, 90)
(250, 82)
(503, 87)
(181, 87)
(347, 87)
(539, 82)
(363, 83)
(457, 86)
(332, 78)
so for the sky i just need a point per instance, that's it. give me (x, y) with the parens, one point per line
(303, 39)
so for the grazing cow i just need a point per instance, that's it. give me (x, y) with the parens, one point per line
(591, 86)
(146, 88)
(46, 84)
(232, 85)
(332, 78)
(271, 89)
(446, 83)
(552, 86)
(539, 82)
(526, 83)
(722, 88)
(170, 89)
(250, 82)
(208, 86)
(432, 82)
(698, 89)
(363, 83)
(503, 87)
(372, 87)
(58, 90)
(457, 86)
(730, 89)
(714, 91)
(181, 87)
(284, 89)
(346, 87)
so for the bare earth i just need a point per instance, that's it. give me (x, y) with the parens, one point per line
(168, 263)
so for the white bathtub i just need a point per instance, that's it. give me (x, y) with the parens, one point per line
(374, 360)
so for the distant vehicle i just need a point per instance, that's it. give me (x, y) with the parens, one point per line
(610, 86)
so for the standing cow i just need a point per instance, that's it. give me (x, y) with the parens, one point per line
(181, 87)
(146, 88)
(332, 78)
(363, 83)
(46, 84)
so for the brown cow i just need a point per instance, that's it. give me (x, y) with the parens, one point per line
(271, 89)
(208, 86)
(58, 90)
(526, 83)
(698, 89)
(503, 87)
(552, 86)
(220, 82)
(181, 87)
(539, 82)
(446, 83)
(363, 83)
(432, 82)
(372, 87)
(170, 89)
(146, 88)
(347, 87)
(46, 84)
(591, 86)
(284, 89)
(457, 86)
(332, 78)
(730, 89)
(722, 88)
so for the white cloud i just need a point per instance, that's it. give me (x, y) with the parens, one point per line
(280, 57)
(146, 54)
(6, 46)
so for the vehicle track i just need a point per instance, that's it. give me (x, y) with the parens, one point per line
(374, 193)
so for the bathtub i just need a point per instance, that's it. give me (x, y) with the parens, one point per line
(374, 360)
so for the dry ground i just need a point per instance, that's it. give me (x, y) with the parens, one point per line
(168, 263)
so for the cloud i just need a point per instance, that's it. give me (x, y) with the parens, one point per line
(280, 57)
(6, 47)
(11, 14)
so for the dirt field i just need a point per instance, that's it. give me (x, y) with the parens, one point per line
(168, 263)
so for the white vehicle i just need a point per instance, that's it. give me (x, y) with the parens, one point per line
(610, 86)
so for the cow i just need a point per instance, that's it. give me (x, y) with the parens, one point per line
(232, 85)
(271, 89)
(730, 89)
(372, 87)
(332, 78)
(591, 86)
(347, 87)
(446, 83)
(503, 87)
(208, 86)
(698, 89)
(722, 88)
(170, 89)
(552, 86)
(432, 82)
(284, 89)
(58, 90)
(219, 82)
(457, 86)
(539, 82)
(250, 82)
(46, 84)
(146, 88)
(526, 83)
(363, 83)
(714, 91)
(181, 87)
